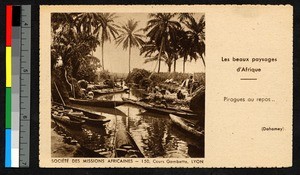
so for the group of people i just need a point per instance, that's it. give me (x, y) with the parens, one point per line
(187, 87)
(161, 95)
(189, 84)
(86, 91)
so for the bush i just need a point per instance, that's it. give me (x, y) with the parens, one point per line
(137, 75)
(104, 75)
(145, 82)
(178, 77)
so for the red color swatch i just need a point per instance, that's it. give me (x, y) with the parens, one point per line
(8, 25)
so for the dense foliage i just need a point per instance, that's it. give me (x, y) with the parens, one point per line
(167, 37)
(140, 77)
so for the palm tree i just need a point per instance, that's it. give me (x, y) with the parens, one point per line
(196, 36)
(184, 16)
(88, 23)
(186, 48)
(72, 44)
(149, 49)
(161, 28)
(108, 29)
(129, 37)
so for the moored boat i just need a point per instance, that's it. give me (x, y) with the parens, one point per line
(135, 102)
(161, 109)
(101, 86)
(129, 150)
(92, 112)
(186, 125)
(125, 146)
(108, 91)
(88, 117)
(70, 122)
(88, 120)
(97, 102)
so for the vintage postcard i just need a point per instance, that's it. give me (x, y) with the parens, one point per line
(166, 86)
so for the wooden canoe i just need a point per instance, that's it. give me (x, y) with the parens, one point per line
(129, 150)
(92, 112)
(67, 121)
(162, 110)
(185, 125)
(135, 102)
(97, 102)
(101, 86)
(88, 120)
(125, 146)
(85, 112)
(111, 91)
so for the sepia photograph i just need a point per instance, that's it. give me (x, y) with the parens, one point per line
(127, 85)
(165, 86)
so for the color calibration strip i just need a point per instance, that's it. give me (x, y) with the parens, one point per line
(17, 71)
(8, 139)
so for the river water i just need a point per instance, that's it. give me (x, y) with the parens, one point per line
(154, 134)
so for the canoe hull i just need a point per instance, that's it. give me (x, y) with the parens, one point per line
(90, 121)
(184, 125)
(97, 103)
(162, 110)
(130, 149)
(100, 93)
(76, 124)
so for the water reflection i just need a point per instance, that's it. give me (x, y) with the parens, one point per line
(154, 134)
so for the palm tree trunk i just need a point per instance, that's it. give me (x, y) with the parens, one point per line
(184, 59)
(174, 65)
(169, 68)
(102, 49)
(159, 55)
(129, 55)
(160, 50)
(203, 60)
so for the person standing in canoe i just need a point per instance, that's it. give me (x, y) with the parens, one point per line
(190, 84)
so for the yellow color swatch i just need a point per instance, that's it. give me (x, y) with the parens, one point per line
(8, 66)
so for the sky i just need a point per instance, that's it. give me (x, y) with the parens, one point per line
(116, 59)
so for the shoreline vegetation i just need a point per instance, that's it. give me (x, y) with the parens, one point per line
(166, 38)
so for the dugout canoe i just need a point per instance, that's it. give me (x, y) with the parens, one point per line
(81, 114)
(129, 149)
(92, 112)
(67, 121)
(89, 121)
(125, 146)
(88, 113)
(97, 102)
(134, 102)
(186, 126)
(101, 86)
(162, 110)
(108, 92)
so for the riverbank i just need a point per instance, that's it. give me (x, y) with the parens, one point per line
(59, 148)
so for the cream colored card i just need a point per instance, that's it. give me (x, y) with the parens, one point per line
(248, 94)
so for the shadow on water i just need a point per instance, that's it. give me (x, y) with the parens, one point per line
(155, 135)
(90, 138)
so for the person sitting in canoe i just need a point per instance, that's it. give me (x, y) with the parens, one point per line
(90, 95)
(82, 93)
(180, 95)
